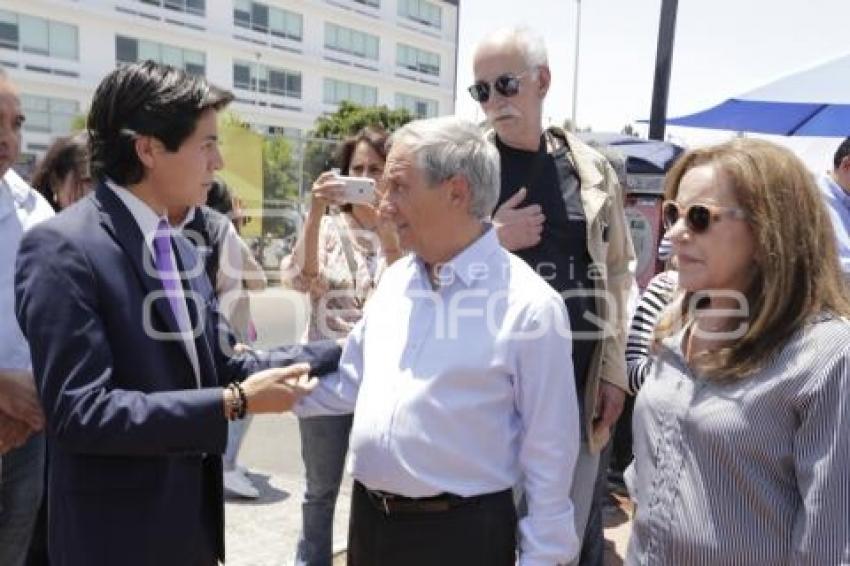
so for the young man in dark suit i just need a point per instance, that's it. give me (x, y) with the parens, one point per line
(134, 365)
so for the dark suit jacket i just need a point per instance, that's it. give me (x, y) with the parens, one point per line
(135, 472)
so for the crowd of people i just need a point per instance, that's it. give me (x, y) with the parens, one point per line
(469, 350)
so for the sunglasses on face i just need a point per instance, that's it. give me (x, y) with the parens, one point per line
(507, 85)
(698, 217)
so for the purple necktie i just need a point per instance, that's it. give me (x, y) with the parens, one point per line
(164, 262)
(166, 269)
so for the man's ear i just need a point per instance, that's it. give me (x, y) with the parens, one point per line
(544, 79)
(844, 165)
(460, 194)
(147, 148)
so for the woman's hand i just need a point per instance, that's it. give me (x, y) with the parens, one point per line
(326, 190)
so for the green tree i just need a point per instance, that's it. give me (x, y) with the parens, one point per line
(280, 176)
(280, 170)
(348, 119)
(78, 122)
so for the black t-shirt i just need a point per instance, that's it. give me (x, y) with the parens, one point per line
(561, 256)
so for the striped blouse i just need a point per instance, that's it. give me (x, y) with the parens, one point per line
(750, 473)
(657, 295)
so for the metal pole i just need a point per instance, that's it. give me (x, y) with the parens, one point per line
(575, 65)
(663, 64)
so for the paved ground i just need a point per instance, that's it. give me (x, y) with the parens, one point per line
(264, 532)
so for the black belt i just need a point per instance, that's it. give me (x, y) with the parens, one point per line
(392, 504)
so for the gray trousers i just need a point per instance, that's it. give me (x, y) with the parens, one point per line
(583, 489)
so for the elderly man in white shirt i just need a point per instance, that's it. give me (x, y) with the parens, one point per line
(459, 374)
(22, 449)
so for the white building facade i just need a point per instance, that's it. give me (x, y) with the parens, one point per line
(287, 61)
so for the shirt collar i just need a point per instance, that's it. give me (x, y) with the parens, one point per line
(836, 190)
(144, 215)
(19, 188)
(187, 219)
(15, 194)
(467, 265)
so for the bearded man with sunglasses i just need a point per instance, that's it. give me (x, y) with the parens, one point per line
(561, 210)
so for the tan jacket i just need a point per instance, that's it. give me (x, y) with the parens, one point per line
(602, 198)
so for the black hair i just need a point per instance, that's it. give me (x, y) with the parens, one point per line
(220, 198)
(842, 152)
(67, 154)
(374, 136)
(145, 99)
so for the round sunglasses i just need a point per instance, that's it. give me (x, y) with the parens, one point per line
(698, 217)
(507, 85)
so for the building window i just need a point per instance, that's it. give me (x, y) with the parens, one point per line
(266, 19)
(421, 11)
(417, 59)
(48, 115)
(419, 107)
(269, 80)
(337, 91)
(373, 3)
(130, 50)
(38, 35)
(351, 41)
(194, 7)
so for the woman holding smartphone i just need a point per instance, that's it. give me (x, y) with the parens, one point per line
(337, 261)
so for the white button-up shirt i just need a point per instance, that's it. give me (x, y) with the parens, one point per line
(20, 209)
(466, 389)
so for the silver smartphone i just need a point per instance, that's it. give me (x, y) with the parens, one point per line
(358, 190)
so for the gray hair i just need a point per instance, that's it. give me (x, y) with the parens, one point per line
(449, 146)
(529, 43)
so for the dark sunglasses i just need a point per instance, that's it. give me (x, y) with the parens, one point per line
(506, 85)
(698, 217)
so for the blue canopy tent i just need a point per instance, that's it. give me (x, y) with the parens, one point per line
(813, 102)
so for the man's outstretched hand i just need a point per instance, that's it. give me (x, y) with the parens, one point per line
(276, 390)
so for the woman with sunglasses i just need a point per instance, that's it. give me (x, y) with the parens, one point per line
(742, 427)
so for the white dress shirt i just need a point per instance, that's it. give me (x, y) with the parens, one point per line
(466, 389)
(20, 209)
(148, 220)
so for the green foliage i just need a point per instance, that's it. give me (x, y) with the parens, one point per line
(230, 117)
(350, 118)
(280, 169)
(78, 122)
(346, 121)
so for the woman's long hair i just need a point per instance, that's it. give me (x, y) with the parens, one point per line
(797, 269)
(69, 154)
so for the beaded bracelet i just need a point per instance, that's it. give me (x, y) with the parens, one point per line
(243, 400)
(235, 406)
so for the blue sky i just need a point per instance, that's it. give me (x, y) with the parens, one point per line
(723, 48)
